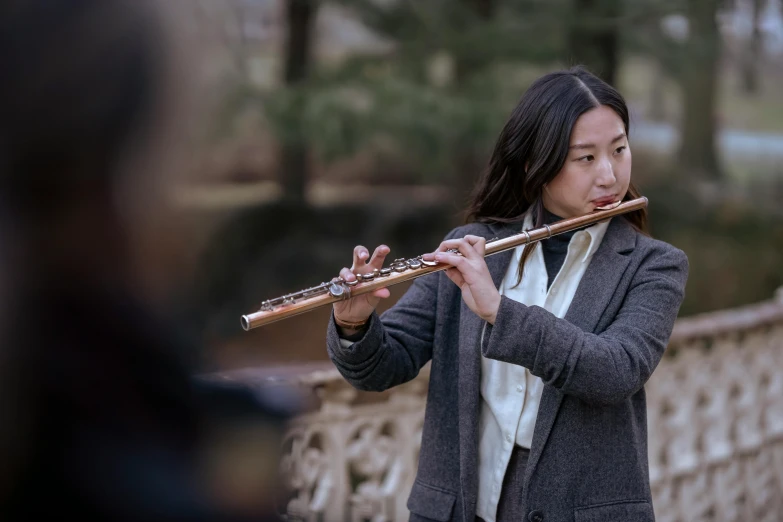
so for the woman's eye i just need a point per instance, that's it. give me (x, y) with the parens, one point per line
(619, 149)
(589, 157)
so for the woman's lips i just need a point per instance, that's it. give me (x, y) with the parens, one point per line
(604, 202)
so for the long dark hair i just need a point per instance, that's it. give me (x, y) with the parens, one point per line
(537, 135)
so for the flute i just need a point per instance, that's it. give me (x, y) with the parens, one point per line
(401, 270)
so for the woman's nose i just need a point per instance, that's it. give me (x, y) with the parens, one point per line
(606, 176)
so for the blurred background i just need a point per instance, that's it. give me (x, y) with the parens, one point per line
(341, 122)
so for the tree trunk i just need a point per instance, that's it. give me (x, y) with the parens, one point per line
(300, 15)
(468, 160)
(657, 109)
(465, 65)
(593, 37)
(698, 154)
(485, 8)
(750, 62)
(239, 50)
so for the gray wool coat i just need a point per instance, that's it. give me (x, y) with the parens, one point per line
(588, 461)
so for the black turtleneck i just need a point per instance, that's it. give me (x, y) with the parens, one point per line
(555, 248)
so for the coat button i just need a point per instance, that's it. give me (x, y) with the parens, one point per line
(535, 516)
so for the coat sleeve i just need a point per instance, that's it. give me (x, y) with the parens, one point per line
(397, 343)
(603, 368)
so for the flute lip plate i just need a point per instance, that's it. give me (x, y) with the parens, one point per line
(610, 206)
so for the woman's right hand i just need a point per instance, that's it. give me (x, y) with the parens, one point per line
(358, 309)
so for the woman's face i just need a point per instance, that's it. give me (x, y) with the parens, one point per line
(597, 170)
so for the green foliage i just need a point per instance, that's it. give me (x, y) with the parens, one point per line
(390, 103)
(472, 35)
(385, 113)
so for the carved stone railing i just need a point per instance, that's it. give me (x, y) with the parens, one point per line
(715, 412)
(715, 415)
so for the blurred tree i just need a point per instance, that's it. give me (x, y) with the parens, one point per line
(435, 101)
(430, 106)
(657, 110)
(753, 54)
(699, 80)
(300, 15)
(684, 39)
(480, 11)
(239, 51)
(593, 36)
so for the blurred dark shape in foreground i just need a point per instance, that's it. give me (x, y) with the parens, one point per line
(100, 415)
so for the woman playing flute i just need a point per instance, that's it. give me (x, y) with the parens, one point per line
(536, 408)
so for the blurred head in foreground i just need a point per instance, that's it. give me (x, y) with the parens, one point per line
(88, 142)
(98, 414)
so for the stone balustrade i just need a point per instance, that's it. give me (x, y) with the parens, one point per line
(715, 415)
(715, 411)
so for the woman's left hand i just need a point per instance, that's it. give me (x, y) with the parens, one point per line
(471, 274)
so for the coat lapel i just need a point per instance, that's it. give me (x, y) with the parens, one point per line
(471, 327)
(595, 290)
